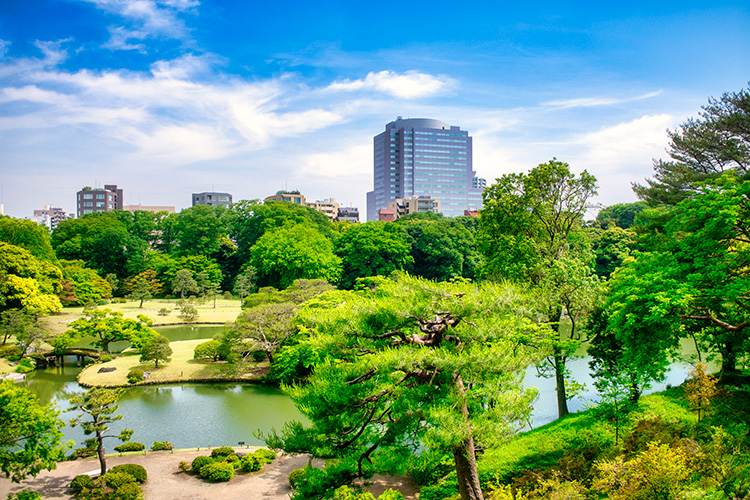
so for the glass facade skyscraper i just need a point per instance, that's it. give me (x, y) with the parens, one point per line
(424, 157)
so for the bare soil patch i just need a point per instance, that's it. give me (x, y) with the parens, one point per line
(167, 482)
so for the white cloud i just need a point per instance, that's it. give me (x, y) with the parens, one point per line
(589, 102)
(408, 85)
(4, 45)
(53, 52)
(352, 162)
(119, 39)
(148, 18)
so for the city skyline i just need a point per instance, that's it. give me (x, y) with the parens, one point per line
(171, 97)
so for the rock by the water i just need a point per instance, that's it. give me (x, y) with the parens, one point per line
(106, 369)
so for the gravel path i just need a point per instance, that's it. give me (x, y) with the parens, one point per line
(167, 482)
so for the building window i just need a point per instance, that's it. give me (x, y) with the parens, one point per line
(100, 196)
(88, 196)
(99, 204)
(88, 203)
(111, 206)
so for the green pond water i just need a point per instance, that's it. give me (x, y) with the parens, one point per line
(192, 415)
(187, 415)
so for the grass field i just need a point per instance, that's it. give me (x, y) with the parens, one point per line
(226, 310)
(182, 368)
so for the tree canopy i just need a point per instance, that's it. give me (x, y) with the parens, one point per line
(413, 364)
(702, 149)
(30, 433)
(293, 252)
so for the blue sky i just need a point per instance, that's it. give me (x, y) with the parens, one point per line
(170, 97)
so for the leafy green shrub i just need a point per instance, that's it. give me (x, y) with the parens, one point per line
(129, 491)
(251, 463)
(265, 454)
(200, 461)
(163, 312)
(184, 466)
(440, 491)
(106, 358)
(135, 376)
(346, 493)
(223, 451)
(234, 460)
(228, 296)
(161, 445)
(25, 495)
(137, 471)
(115, 479)
(80, 482)
(25, 365)
(217, 472)
(391, 495)
(130, 446)
(295, 477)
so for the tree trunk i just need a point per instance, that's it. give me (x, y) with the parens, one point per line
(562, 396)
(465, 457)
(140, 306)
(729, 358)
(100, 452)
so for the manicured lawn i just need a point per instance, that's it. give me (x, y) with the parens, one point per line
(226, 310)
(181, 368)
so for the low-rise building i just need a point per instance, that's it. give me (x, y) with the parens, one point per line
(90, 200)
(51, 216)
(348, 214)
(416, 204)
(149, 208)
(212, 199)
(290, 196)
(329, 206)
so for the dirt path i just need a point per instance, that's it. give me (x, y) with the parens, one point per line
(167, 482)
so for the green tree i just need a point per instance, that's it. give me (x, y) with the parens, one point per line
(294, 252)
(98, 406)
(104, 240)
(28, 283)
(211, 349)
(28, 332)
(156, 349)
(244, 283)
(183, 283)
(29, 236)
(262, 328)
(30, 434)
(413, 364)
(88, 286)
(621, 214)
(530, 232)
(702, 149)
(372, 249)
(441, 249)
(199, 230)
(108, 326)
(143, 286)
(249, 220)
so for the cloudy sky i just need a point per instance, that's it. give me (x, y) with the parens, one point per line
(169, 97)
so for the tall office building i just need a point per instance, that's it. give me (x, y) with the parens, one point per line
(424, 157)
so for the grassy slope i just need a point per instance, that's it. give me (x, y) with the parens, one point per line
(226, 310)
(544, 446)
(181, 368)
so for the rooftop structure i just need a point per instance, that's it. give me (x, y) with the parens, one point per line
(290, 196)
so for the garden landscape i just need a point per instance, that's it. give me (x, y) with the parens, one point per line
(393, 359)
